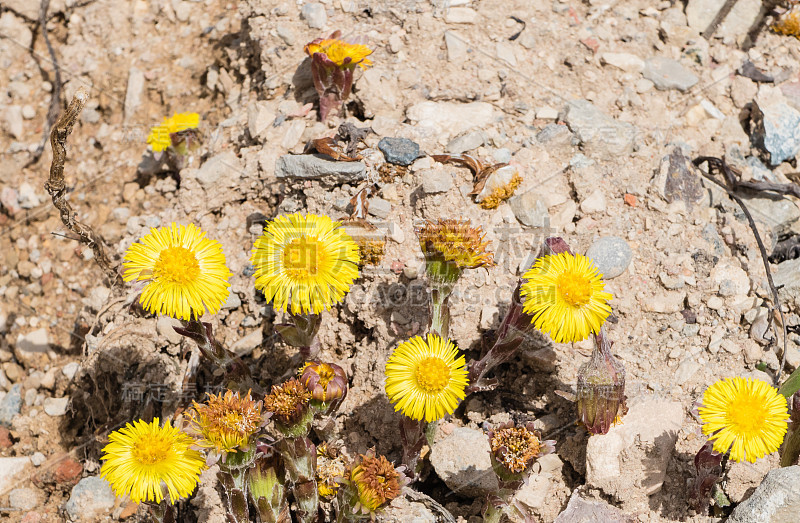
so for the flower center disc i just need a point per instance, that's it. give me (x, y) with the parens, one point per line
(176, 265)
(150, 450)
(432, 375)
(574, 289)
(746, 415)
(301, 258)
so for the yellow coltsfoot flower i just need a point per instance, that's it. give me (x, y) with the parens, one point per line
(226, 422)
(304, 263)
(339, 53)
(747, 416)
(143, 460)
(159, 138)
(185, 271)
(426, 380)
(564, 295)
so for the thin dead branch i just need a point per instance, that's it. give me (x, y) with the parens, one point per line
(56, 185)
(732, 184)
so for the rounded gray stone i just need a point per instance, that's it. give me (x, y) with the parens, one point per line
(611, 254)
(399, 151)
(90, 498)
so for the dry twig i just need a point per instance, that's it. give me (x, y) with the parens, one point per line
(56, 185)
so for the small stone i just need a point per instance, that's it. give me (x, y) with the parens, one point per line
(314, 14)
(677, 179)
(547, 113)
(715, 303)
(165, 326)
(11, 470)
(665, 302)
(56, 406)
(775, 129)
(600, 135)
(379, 207)
(529, 209)
(452, 117)
(38, 459)
(776, 500)
(402, 510)
(133, 93)
(24, 498)
(625, 61)
(466, 142)
(489, 314)
(28, 199)
(10, 406)
(502, 155)
(259, 117)
(219, 170)
(686, 370)
(399, 151)
(461, 460)
(294, 132)
(285, 33)
(732, 280)
(630, 462)
(70, 369)
(435, 181)
(248, 344)
(396, 233)
(460, 15)
(595, 202)
(581, 510)
(312, 167)
(233, 301)
(14, 124)
(505, 52)
(395, 43)
(456, 46)
(667, 73)
(611, 254)
(643, 85)
(32, 348)
(554, 134)
(91, 498)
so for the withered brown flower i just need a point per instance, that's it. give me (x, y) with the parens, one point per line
(376, 480)
(288, 402)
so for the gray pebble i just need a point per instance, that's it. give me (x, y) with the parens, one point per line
(667, 73)
(10, 405)
(90, 498)
(399, 151)
(611, 254)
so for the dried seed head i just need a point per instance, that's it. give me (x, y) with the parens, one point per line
(376, 480)
(288, 402)
(456, 242)
(331, 469)
(514, 449)
(501, 194)
(226, 422)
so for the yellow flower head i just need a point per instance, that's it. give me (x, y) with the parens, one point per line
(457, 242)
(376, 481)
(746, 416)
(226, 423)
(143, 460)
(159, 137)
(341, 53)
(564, 295)
(426, 380)
(186, 271)
(306, 263)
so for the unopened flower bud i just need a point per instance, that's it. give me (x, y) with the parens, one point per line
(601, 388)
(327, 382)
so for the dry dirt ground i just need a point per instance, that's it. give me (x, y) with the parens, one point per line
(689, 307)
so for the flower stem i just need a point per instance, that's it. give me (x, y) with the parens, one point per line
(300, 459)
(413, 438)
(440, 311)
(232, 476)
(301, 332)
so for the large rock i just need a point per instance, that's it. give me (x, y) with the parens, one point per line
(451, 118)
(630, 462)
(775, 129)
(600, 135)
(461, 460)
(91, 498)
(776, 500)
